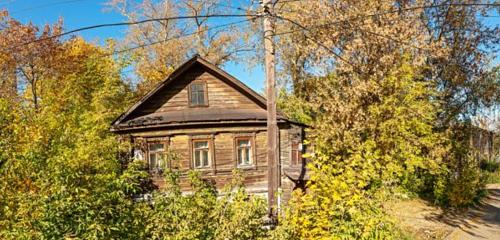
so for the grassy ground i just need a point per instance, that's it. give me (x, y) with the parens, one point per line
(492, 170)
(494, 177)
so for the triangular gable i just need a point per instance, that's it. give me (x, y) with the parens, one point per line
(216, 71)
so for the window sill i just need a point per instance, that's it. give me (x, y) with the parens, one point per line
(202, 169)
(198, 106)
(246, 167)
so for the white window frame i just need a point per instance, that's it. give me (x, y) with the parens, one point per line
(201, 149)
(250, 147)
(161, 164)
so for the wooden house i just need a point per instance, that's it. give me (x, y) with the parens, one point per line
(213, 123)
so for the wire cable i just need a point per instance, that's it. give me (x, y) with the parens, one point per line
(133, 23)
(46, 5)
(303, 28)
(176, 37)
(416, 8)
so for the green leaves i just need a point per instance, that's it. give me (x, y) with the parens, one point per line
(61, 175)
(203, 214)
(369, 133)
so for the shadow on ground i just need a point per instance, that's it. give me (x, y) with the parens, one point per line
(426, 221)
(481, 221)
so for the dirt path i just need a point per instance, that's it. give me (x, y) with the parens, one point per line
(425, 221)
(483, 221)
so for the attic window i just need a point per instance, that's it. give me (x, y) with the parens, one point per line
(198, 94)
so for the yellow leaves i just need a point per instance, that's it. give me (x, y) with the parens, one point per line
(170, 43)
(369, 132)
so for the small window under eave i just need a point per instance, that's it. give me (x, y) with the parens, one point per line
(198, 96)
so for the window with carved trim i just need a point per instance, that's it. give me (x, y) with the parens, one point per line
(201, 153)
(156, 157)
(244, 153)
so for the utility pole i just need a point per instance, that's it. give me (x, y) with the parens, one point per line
(272, 126)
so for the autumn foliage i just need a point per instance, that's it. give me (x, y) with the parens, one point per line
(389, 89)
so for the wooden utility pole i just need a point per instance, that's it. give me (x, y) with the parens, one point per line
(272, 126)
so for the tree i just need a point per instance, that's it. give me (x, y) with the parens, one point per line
(365, 139)
(373, 79)
(25, 65)
(168, 43)
(63, 178)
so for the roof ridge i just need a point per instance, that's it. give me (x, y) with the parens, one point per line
(196, 58)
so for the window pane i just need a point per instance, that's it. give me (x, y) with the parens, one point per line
(240, 156)
(161, 160)
(138, 155)
(296, 154)
(201, 144)
(197, 159)
(205, 158)
(243, 143)
(201, 98)
(194, 98)
(197, 94)
(244, 152)
(152, 161)
(154, 147)
(196, 87)
(247, 156)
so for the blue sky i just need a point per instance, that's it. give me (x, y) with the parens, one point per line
(81, 13)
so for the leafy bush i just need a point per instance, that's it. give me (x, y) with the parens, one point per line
(490, 165)
(202, 213)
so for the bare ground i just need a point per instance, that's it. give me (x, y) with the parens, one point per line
(425, 221)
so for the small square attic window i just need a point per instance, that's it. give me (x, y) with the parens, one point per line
(198, 94)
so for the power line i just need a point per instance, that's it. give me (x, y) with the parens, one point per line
(369, 32)
(383, 13)
(303, 28)
(134, 23)
(416, 8)
(242, 15)
(232, 7)
(234, 15)
(7, 2)
(46, 5)
(319, 43)
(176, 37)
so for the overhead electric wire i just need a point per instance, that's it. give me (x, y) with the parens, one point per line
(244, 15)
(176, 37)
(45, 5)
(307, 28)
(318, 42)
(417, 8)
(233, 7)
(134, 23)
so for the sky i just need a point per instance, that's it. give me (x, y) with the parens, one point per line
(81, 13)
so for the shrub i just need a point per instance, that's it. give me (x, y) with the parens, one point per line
(203, 214)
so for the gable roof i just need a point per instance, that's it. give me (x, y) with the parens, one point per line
(200, 115)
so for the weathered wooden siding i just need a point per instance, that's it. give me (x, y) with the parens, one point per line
(233, 110)
(289, 170)
(175, 97)
(223, 158)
